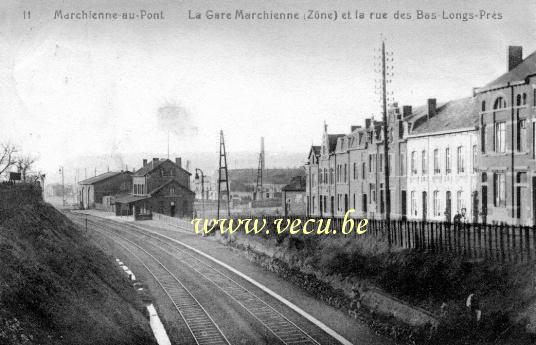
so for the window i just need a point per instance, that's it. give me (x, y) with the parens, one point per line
(171, 190)
(499, 103)
(447, 161)
(413, 163)
(524, 98)
(459, 201)
(403, 165)
(475, 157)
(437, 206)
(345, 172)
(331, 175)
(522, 135)
(372, 192)
(518, 100)
(483, 138)
(424, 163)
(413, 204)
(355, 172)
(370, 163)
(364, 169)
(460, 160)
(500, 137)
(534, 139)
(499, 189)
(483, 106)
(437, 170)
(381, 163)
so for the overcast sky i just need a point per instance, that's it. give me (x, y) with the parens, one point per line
(72, 88)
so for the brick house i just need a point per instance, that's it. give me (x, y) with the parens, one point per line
(347, 171)
(507, 165)
(160, 186)
(92, 190)
(294, 197)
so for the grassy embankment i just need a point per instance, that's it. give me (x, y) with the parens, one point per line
(327, 266)
(57, 287)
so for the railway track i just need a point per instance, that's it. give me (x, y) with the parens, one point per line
(279, 325)
(202, 327)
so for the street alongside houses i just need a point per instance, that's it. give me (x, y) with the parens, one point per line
(471, 159)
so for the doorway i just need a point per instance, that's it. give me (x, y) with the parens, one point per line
(172, 209)
(484, 204)
(448, 207)
(424, 205)
(404, 206)
(475, 207)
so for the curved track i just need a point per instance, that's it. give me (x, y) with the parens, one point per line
(280, 326)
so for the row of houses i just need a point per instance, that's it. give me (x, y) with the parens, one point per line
(475, 156)
(160, 186)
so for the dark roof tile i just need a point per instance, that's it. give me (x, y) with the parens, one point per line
(455, 114)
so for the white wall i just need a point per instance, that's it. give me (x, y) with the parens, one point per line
(442, 182)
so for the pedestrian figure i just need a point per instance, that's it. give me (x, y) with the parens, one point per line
(473, 304)
(457, 218)
(443, 309)
(463, 217)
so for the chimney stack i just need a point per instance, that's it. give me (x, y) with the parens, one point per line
(144, 162)
(431, 107)
(178, 162)
(515, 56)
(406, 111)
(368, 121)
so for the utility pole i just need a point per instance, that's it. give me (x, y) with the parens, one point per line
(202, 188)
(62, 185)
(168, 145)
(223, 177)
(260, 173)
(384, 73)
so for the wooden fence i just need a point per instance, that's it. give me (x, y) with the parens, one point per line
(488, 241)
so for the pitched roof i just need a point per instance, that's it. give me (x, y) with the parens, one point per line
(332, 141)
(452, 115)
(129, 198)
(315, 150)
(152, 165)
(169, 182)
(102, 177)
(297, 184)
(518, 73)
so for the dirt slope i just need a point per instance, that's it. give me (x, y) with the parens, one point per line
(57, 287)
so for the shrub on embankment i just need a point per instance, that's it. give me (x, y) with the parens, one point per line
(332, 264)
(57, 287)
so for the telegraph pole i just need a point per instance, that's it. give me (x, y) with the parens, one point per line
(223, 177)
(384, 101)
(62, 185)
(385, 141)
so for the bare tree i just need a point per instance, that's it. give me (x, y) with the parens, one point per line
(7, 157)
(24, 163)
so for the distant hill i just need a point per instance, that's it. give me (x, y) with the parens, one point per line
(85, 166)
(271, 176)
